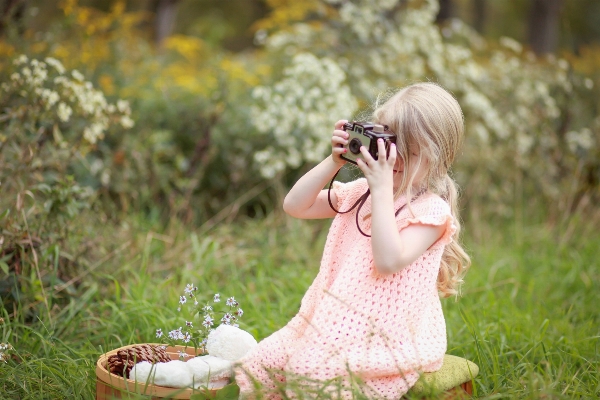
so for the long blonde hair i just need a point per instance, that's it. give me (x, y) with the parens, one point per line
(428, 118)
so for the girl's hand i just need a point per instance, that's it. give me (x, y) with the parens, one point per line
(339, 139)
(380, 172)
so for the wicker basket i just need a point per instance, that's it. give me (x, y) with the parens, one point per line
(110, 386)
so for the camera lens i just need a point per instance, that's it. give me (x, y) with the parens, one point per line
(354, 146)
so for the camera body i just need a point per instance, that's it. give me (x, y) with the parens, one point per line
(365, 134)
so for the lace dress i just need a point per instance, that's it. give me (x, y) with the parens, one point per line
(356, 322)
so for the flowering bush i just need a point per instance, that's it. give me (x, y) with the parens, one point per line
(518, 109)
(50, 120)
(208, 315)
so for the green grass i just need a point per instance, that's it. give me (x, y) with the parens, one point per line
(528, 317)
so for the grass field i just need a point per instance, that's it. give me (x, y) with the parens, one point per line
(529, 315)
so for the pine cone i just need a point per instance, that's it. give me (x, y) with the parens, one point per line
(125, 359)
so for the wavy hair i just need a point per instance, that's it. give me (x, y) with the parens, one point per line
(427, 118)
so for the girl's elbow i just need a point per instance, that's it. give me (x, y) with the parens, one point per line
(389, 268)
(289, 208)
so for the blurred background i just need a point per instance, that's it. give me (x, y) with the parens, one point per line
(160, 136)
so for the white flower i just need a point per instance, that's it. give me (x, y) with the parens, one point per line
(189, 288)
(182, 354)
(77, 75)
(127, 122)
(51, 97)
(207, 308)
(208, 321)
(123, 106)
(159, 333)
(227, 319)
(22, 59)
(589, 83)
(239, 312)
(64, 112)
(186, 337)
(189, 324)
(231, 302)
(56, 64)
(93, 132)
(217, 298)
(182, 299)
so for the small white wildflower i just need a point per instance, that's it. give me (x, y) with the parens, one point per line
(56, 64)
(127, 122)
(179, 308)
(22, 59)
(77, 75)
(15, 76)
(64, 112)
(207, 308)
(52, 97)
(208, 321)
(588, 83)
(239, 312)
(196, 302)
(217, 298)
(186, 337)
(183, 354)
(189, 323)
(159, 333)
(189, 288)
(123, 106)
(227, 319)
(182, 299)
(231, 302)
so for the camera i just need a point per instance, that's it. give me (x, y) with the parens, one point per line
(365, 134)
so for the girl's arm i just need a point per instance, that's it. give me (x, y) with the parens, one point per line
(392, 250)
(307, 199)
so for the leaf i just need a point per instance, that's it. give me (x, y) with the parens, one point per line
(207, 395)
(229, 392)
(5, 213)
(4, 267)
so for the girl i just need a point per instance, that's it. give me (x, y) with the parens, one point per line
(373, 312)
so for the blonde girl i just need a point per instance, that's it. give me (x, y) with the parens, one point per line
(373, 313)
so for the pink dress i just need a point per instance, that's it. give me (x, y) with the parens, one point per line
(355, 321)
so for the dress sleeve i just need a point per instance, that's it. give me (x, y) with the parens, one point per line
(348, 193)
(432, 211)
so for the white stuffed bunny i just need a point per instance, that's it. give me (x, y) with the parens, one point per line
(225, 345)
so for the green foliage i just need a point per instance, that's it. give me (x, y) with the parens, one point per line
(533, 334)
(49, 121)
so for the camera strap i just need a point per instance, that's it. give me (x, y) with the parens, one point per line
(361, 200)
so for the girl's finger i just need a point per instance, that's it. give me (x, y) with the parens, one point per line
(368, 159)
(393, 153)
(362, 165)
(381, 150)
(335, 140)
(340, 123)
(340, 133)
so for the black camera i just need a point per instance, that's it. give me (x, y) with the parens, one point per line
(365, 134)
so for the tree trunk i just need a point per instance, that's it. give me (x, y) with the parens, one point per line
(166, 12)
(12, 13)
(446, 11)
(544, 25)
(479, 15)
